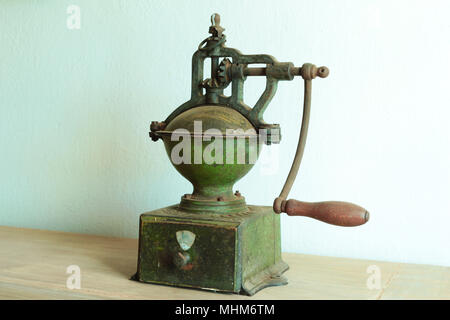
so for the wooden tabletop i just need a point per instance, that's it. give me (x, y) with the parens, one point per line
(33, 265)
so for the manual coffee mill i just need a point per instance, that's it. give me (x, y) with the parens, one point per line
(212, 239)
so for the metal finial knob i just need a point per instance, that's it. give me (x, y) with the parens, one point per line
(309, 71)
(215, 29)
(215, 19)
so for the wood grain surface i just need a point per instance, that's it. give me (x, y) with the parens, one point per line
(33, 265)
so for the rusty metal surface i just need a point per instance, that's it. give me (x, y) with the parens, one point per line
(230, 67)
(238, 253)
(212, 240)
(213, 181)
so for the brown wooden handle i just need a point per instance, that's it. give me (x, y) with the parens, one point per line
(339, 213)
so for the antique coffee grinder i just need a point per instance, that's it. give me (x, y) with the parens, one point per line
(212, 239)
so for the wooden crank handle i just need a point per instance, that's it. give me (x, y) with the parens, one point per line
(339, 213)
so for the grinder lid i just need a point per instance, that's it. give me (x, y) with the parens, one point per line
(210, 120)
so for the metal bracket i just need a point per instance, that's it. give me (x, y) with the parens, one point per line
(235, 72)
(214, 47)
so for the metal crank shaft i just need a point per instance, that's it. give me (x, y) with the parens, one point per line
(338, 213)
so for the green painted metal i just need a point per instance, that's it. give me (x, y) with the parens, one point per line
(214, 181)
(232, 73)
(213, 240)
(237, 252)
(236, 205)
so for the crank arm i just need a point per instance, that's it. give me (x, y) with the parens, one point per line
(334, 212)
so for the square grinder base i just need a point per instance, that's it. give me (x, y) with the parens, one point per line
(236, 252)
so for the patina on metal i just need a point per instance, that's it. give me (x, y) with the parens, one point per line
(237, 252)
(212, 239)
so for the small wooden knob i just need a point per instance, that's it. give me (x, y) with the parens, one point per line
(339, 213)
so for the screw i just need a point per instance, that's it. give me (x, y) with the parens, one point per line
(237, 193)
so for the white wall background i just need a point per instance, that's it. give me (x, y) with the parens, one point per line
(75, 108)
